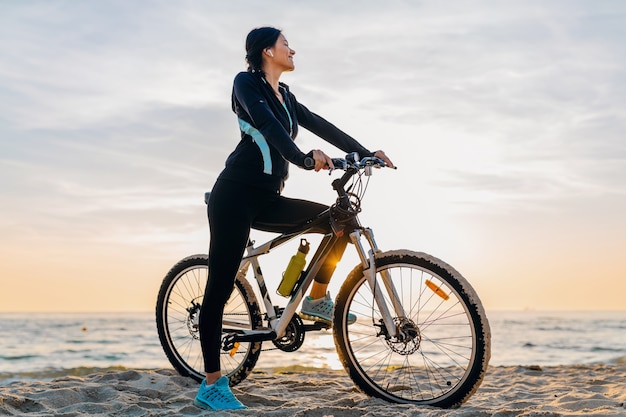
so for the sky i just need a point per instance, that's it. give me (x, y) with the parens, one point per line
(506, 120)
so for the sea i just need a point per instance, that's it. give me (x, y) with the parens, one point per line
(38, 346)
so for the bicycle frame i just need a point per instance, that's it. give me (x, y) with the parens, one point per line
(278, 324)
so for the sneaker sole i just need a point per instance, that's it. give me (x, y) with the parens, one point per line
(208, 407)
(202, 405)
(315, 318)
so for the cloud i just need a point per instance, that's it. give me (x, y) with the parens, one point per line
(72, 64)
(115, 116)
(154, 168)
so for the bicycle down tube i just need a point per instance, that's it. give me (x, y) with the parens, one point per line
(278, 325)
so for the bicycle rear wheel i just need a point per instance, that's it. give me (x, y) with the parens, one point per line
(177, 311)
(444, 356)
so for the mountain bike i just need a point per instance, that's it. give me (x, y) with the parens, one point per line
(421, 334)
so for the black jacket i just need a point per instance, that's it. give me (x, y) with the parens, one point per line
(260, 111)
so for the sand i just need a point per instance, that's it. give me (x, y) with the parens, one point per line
(584, 390)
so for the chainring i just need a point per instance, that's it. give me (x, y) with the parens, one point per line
(294, 335)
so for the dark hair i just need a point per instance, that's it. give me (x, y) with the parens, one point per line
(257, 40)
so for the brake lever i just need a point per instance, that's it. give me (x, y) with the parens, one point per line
(376, 162)
(338, 163)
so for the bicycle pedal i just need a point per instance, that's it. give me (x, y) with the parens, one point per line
(315, 319)
(316, 326)
(229, 342)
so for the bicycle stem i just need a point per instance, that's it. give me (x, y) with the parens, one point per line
(339, 186)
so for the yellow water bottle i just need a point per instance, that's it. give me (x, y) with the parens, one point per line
(294, 269)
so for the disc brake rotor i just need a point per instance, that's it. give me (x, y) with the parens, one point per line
(192, 320)
(410, 339)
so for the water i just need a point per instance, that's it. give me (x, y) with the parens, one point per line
(558, 338)
(44, 346)
(47, 345)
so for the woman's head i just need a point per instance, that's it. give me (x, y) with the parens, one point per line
(257, 42)
(263, 43)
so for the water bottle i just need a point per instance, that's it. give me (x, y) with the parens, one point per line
(294, 269)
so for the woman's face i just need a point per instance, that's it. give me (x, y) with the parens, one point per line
(281, 54)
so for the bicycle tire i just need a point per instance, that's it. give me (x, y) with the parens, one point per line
(444, 361)
(177, 309)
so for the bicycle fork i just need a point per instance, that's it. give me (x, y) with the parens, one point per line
(368, 260)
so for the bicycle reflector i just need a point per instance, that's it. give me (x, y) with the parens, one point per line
(437, 289)
(234, 350)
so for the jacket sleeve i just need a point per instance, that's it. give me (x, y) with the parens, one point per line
(329, 132)
(250, 97)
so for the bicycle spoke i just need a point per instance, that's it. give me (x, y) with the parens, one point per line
(178, 309)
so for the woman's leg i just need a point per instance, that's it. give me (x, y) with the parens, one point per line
(231, 209)
(320, 285)
(282, 215)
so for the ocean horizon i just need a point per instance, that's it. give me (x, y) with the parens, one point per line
(43, 346)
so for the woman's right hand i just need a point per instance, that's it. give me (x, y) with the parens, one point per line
(322, 161)
(380, 154)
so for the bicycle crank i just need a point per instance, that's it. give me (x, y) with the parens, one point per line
(294, 335)
(229, 341)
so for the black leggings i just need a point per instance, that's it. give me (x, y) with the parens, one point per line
(233, 210)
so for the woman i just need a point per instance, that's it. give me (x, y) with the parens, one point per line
(247, 194)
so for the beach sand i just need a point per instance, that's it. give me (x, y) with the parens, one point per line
(583, 390)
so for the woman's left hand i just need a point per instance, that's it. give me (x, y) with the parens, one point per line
(322, 161)
(381, 155)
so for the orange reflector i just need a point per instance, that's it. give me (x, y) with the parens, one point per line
(436, 289)
(234, 350)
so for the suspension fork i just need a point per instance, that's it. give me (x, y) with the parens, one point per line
(368, 260)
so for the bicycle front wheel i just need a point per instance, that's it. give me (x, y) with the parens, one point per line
(442, 355)
(177, 312)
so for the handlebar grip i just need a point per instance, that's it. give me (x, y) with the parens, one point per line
(339, 163)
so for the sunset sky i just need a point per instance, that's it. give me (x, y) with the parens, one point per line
(507, 121)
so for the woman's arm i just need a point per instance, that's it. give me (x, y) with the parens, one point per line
(332, 134)
(250, 97)
(329, 132)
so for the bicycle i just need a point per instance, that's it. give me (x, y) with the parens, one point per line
(421, 335)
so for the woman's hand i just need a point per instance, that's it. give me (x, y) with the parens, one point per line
(322, 161)
(381, 155)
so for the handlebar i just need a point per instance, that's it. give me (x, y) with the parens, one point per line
(351, 165)
(350, 161)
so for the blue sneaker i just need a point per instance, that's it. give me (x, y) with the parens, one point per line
(321, 310)
(217, 396)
